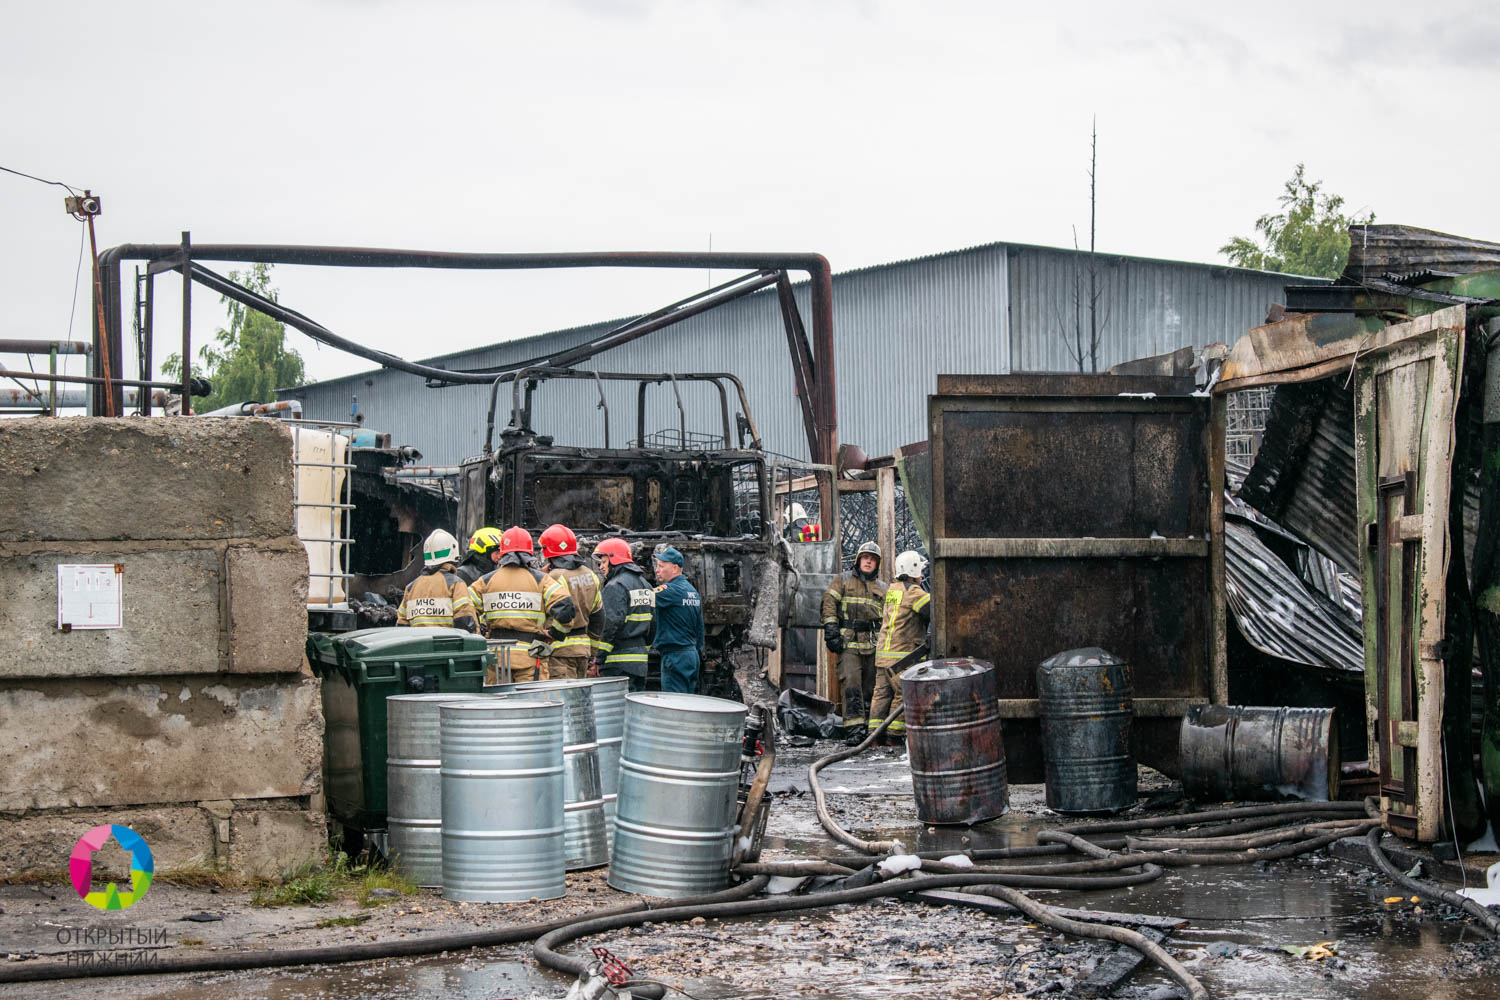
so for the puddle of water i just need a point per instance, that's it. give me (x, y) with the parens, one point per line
(1239, 916)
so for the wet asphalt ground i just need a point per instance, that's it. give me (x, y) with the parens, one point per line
(1239, 919)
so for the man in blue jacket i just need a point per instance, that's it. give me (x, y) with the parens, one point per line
(679, 624)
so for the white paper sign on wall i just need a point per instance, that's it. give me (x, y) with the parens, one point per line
(90, 595)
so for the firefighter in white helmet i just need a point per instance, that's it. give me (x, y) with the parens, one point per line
(903, 627)
(438, 598)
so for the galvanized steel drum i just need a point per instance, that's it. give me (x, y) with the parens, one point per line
(954, 741)
(1244, 752)
(584, 836)
(609, 730)
(679, 774)
(1086, 714)
(413, 784)
(502, 796)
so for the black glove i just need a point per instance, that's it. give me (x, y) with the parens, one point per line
(832, 638)
(467, 624)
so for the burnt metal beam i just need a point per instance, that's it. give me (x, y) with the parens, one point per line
(634, 329)
(803, 373)
(821, 287)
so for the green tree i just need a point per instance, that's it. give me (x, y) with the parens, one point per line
(248, 361)
(1310, 235)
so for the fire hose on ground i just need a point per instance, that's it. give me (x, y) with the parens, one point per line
(1242, 835)
(1247, 834)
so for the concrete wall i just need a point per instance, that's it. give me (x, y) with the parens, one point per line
(196, 723)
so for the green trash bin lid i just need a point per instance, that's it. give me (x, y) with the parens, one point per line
(396, 642)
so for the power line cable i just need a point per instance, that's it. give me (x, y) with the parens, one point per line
(77, 271)
(22, 173)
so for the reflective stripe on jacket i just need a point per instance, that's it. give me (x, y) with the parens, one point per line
(852, 598)
(435, 599)
(519, 598)
(904, 626)
(577, 635)
(629, 618)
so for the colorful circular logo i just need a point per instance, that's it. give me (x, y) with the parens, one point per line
(81, 867)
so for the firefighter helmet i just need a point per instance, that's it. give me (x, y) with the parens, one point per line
(910, 564)
(868, 549)
(439, 548)
(485, 540)
(616, 550)
(515, 539)
(559, 540)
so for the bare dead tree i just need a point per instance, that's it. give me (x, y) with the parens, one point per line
(1083, 336)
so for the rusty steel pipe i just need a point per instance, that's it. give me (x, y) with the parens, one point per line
(1254, 753)
(94, 380)
(44, 347)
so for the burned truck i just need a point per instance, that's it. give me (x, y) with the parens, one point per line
(707, 494)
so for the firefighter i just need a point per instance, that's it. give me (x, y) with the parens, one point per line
(799, 527)
(903, 627)
(575, 637)
(679, 623)
(515, 601)
(484, 552)
(629, 615)
(851, 618)
(438, 598)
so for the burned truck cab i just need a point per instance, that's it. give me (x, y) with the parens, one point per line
(706, 493)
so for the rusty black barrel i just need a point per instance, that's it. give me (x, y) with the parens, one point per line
(1086, 713)
(953, 738)
(1246, 752)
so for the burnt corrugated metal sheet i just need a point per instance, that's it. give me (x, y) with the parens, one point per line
(1400, 252)
(1303, 476)
(1279, 614)
(984, 309)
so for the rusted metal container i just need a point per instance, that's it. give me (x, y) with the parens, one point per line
(954, 739)
(1261, 754)
(414, 785)
(679, 773)
(1086, 715)
(1104, 529)
(502, 800)
(586, 843)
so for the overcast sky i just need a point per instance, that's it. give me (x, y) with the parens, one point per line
(866, 131)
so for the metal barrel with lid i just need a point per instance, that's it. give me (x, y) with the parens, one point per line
(679, 775)
(584, 834)
(1248, 752)
(1086, 709)
(954, 740)
(414, 784)
(502, 800)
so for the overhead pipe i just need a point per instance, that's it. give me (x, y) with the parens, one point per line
(44, 347)
(168, 256)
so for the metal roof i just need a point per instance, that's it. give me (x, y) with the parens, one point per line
(991, 308)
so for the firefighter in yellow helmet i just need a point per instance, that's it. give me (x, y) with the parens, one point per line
(851, 618)
(903, 627)
(484, 552)
(515, 602)
(438, 598)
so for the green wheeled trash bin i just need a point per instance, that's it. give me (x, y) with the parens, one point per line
(359, 671)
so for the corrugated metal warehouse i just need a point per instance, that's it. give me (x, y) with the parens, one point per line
(995, 308)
